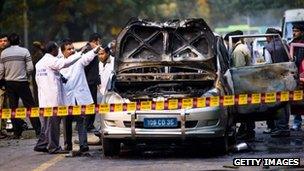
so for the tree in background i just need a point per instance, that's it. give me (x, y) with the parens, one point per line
(53, 20)
(226, 12)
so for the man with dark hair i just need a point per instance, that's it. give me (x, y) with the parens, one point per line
(50, 94)
(15, 66)
(298, 37)
(240, 57)
(91, 72)
(37, 52)
(77, 92)
(277, 50)
(3, 44)
(275, 47)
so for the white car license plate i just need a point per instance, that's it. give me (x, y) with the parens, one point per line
(160, 122)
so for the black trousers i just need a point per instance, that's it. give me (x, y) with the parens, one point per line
(16, 90)
(91, 118)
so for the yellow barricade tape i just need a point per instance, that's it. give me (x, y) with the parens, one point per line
(76, 110)
(20, 113)
(34, 112)
(243, 99)
(229, 100)
(48, 111)
(270, 97)
(187, 103)
(160, 105)
(62, 111)
(170, 104)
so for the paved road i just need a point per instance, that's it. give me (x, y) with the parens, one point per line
(18, 155)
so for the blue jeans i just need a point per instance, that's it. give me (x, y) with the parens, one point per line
(297, 121)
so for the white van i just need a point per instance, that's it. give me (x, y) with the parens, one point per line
(291, 17)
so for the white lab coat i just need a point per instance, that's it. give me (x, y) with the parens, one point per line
(76, 88)
(106, 73)
(50, 90)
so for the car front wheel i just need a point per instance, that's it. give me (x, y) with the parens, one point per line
(110, 147)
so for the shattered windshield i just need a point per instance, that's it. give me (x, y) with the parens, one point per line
(263, 49)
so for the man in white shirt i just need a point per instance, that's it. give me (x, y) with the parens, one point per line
(106, 70)
(77, 92)
(50, 94)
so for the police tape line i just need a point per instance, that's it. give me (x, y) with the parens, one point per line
(170, 104)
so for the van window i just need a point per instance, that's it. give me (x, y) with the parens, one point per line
(288, 30)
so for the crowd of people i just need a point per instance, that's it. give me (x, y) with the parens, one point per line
(275, 51)
(61, 76)
(64, 76)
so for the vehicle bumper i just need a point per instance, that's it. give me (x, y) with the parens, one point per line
(211, 123)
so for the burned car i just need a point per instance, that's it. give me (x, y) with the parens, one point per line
(157, 61)
(160, 61)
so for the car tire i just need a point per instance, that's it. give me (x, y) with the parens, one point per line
(222, 145)
(110, 147)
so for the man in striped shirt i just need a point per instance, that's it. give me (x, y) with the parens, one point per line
(15, 66)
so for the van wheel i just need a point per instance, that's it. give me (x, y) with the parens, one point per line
(110, 147)
(222, 145)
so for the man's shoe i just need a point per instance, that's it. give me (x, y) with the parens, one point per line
(59, 152)
(44, 150)
(97, 133)
(84, 149)
(280, 133)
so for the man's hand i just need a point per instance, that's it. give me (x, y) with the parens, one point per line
(97, 49)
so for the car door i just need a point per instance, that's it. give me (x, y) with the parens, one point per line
(255, 80)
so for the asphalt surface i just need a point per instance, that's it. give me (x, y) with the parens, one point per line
(19, 155)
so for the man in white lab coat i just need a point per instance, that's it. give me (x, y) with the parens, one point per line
(50, 94)
(77, 92)
(106, 72)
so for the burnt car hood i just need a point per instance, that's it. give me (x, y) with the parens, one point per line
(188, 43)
(169, 59)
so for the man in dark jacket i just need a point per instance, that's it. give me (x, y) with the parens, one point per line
(37, 53)
(298, 37)
(278, 54)
(275, 47)
(3, 44)
(92, 75)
